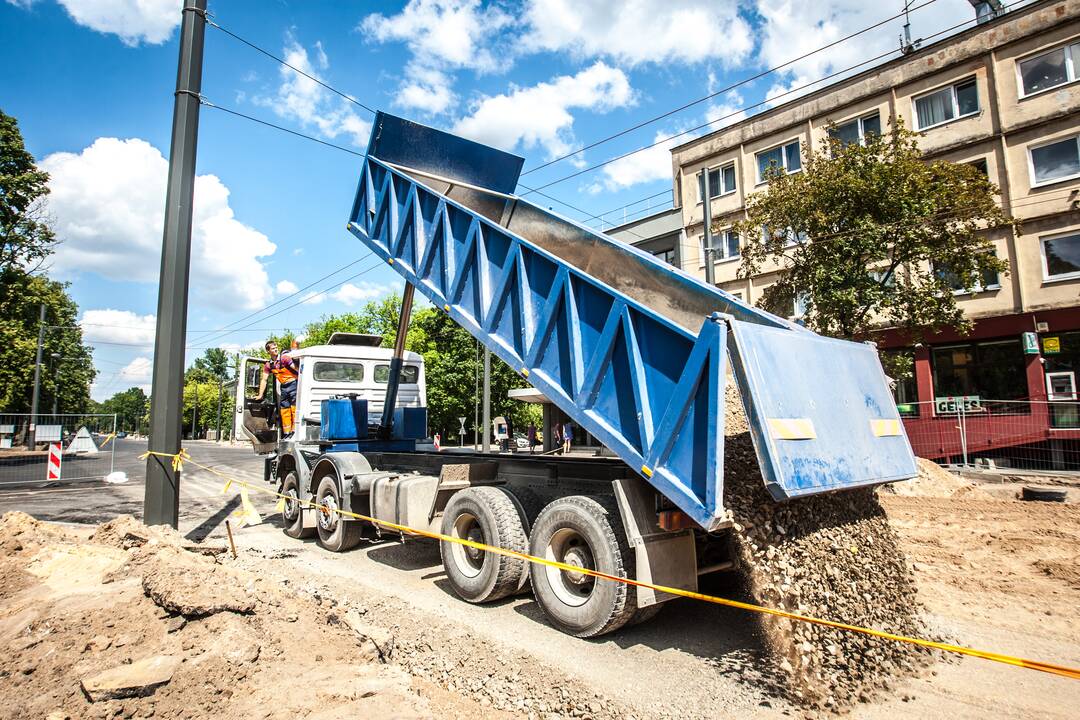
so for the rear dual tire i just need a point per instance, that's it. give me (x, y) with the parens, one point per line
(488, 515)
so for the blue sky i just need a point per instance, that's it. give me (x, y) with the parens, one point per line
(91, 84)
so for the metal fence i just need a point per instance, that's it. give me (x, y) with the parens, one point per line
(87, 444)
(1013, 434)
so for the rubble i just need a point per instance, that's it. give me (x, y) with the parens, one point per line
(136, 679)
(831, 556)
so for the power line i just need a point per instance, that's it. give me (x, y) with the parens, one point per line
(272, 56)
(727, 89)
(207, 103)
(743, 110)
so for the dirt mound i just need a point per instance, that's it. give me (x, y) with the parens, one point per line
(935, 481)
(830, 556)
(130, 624)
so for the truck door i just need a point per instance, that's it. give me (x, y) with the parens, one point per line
(256, 420)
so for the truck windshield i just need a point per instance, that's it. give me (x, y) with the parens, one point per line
(409, 374)
(340, 372)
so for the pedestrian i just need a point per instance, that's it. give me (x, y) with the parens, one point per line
(568, 437)
(284, 370)
(530, 433)
(556, 435)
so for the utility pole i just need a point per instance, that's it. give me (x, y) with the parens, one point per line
(161, 504)
(487, 400)
(220, 392)
(706, 204)
(195, 412)
(37, 382)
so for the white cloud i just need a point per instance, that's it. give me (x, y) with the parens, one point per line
(118, 326)
(313, 298)
(539, 116)
(304, 100)
(449, 33)
(349, 294)
(138, 371)
(728, 110)
(108, 208)
(641, 167)
(641, 31)
(133, 21)
(425, 89)
(285, 287)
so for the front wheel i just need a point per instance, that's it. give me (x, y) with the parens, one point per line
(336, 534)
(292, 516)
(583, 532)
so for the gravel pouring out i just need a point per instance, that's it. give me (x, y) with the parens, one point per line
(830, 556)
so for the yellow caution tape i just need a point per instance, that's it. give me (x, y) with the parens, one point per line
(1062, 670)
(107, 440)
(792, 428)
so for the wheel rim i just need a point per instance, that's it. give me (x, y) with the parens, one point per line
(568, 546)
(328, 516)
(292, 504)
(468, 561)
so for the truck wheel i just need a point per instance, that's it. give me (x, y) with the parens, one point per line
(336, 534)
(583, 532)
(487, 515)
(292, 517)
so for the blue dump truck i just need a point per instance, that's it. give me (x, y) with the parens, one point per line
(637, 352)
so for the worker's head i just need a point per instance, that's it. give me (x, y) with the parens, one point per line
(272, 348)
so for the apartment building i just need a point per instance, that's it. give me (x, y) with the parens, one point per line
(1003, 95)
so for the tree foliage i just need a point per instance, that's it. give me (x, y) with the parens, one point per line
(27, 240)
(216, 362)
(889, 232)
(129, 406)
(203, 394)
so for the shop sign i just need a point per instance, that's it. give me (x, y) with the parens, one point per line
(1031, 343)
(1051, 345)
(957, 404)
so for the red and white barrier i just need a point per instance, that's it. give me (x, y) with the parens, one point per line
(55, 457)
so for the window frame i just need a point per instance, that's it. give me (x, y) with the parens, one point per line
(858, 120)
(951, 87)
(1031, 160)
(723, 259)
(1072, 53)
(783, 157)
(359, 364)
(404, 367)
(978, 287)
(720, 171)
(1047, 277)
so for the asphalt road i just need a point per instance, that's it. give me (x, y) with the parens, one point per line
(203, 507)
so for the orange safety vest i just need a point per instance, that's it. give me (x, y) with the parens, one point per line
(283, 369)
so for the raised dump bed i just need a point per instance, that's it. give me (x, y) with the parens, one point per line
(633, 349)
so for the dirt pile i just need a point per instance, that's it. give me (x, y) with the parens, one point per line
(128, 623)
(830, 556)
(935, 481)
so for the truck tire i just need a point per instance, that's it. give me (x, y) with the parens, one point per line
(336, 533)
(491, 516)
(1042, 494)
(292, 516)
(586, 532)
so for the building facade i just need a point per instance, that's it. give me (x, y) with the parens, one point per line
(1003, 95)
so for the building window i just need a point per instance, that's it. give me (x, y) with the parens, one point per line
(1055, 161)
(792, 237)
(721, 181)
(799, 306)
(987, 370)
(855, 131)
(725, 246)
(784, 157)
(987, 280)
(904, 388)
(667, 256)
(981, 166)
(1048, 70)
(1061, 257)
(948, 103)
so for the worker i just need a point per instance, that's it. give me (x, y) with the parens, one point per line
(530, 433)
(568, 437)
(284, 371)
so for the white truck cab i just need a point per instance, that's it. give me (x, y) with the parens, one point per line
(350, 364)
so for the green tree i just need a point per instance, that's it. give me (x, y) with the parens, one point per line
(889, 232)
(216, 362)
(204, 395)
(129, 406)
(21, 296)
(27, 240)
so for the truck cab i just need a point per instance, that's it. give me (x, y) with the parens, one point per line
(349, 365)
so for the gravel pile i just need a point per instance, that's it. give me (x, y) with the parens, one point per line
(829, 556)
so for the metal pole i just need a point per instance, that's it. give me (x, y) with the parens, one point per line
(476, 397)
(220, 392)
(706, 204)
(390, 401)
(56, 387)
(487, 400)
(195, 413)
(37, 381)
(161, 504)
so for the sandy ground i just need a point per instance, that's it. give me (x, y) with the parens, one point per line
(993, 574)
